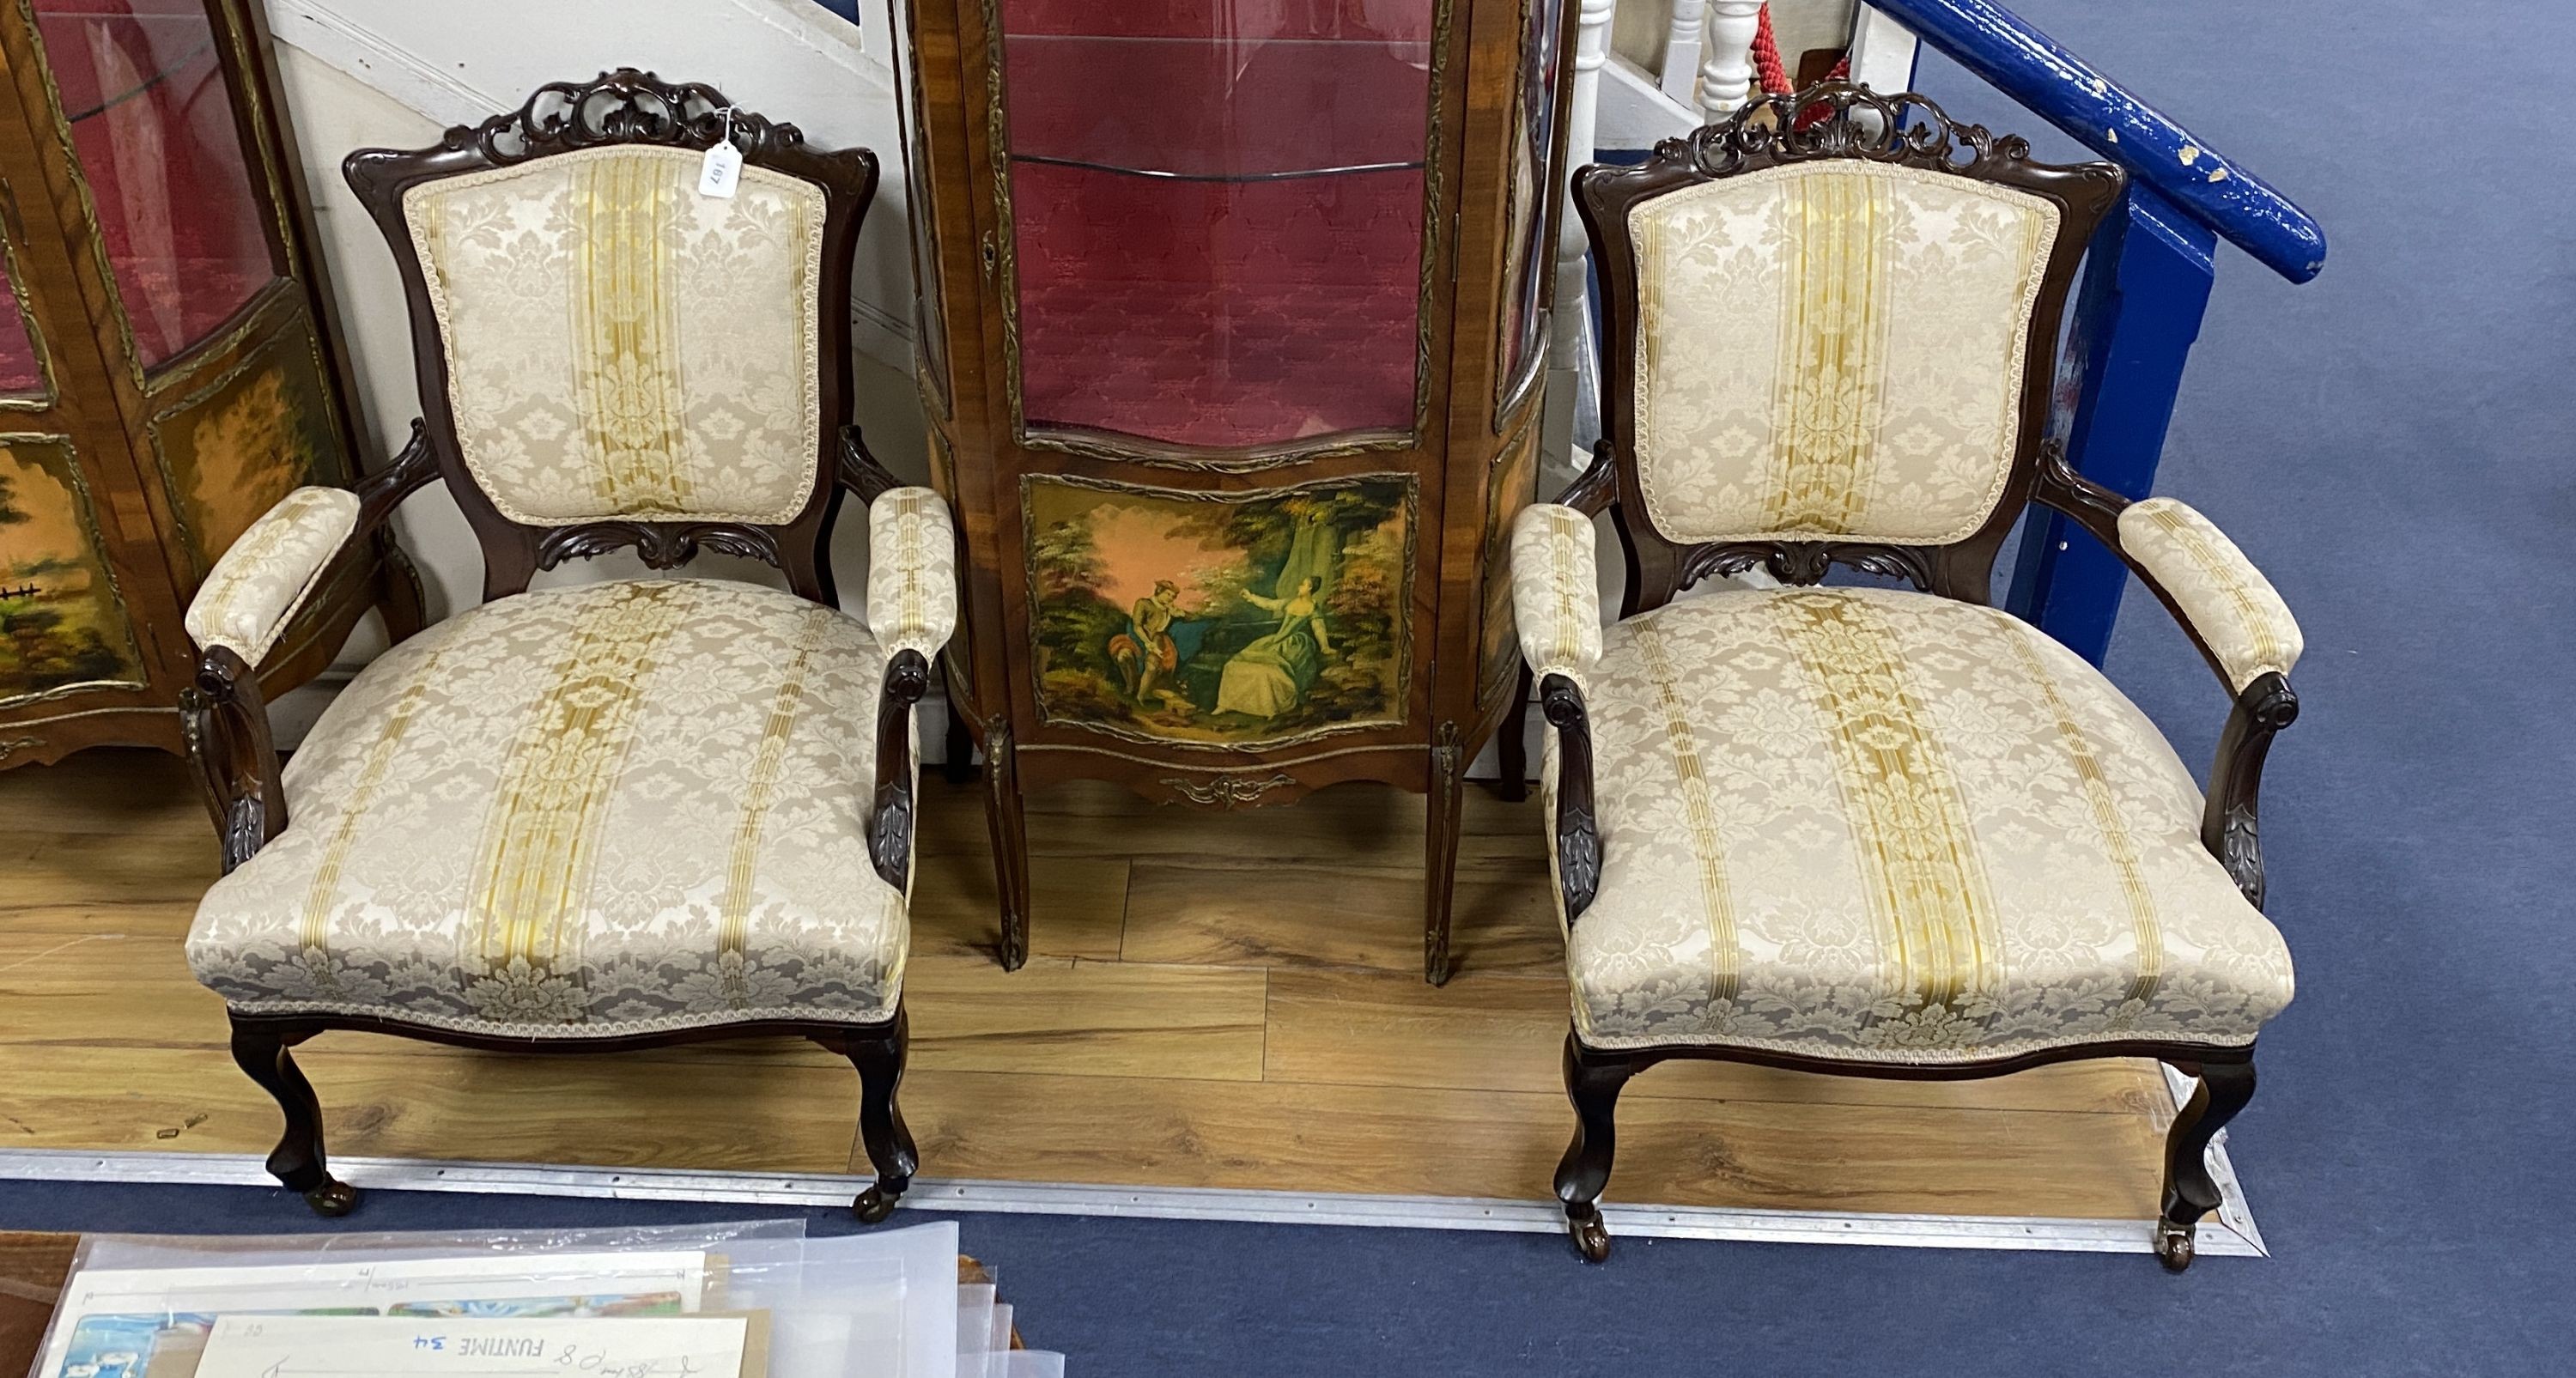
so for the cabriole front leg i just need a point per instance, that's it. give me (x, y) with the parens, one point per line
(2190, 1190)
(879, 1058)
(1592, 1083)
(298, 1160)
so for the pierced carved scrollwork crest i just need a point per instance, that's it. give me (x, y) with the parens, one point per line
(1838, 119)
(661, 545)
(1805, 562)
(621, 107)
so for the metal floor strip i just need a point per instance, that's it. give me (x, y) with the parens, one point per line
(2220, 1236)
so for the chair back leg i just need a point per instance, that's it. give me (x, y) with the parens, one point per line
(2190, 1191)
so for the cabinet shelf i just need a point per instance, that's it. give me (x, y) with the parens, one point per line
(1174, 175)
(1217, 109)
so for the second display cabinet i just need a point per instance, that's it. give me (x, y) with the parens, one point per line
(1232, 316)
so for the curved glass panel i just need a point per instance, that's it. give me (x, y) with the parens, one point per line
(142, 85)
(1216, 211)
(1533, 181)
(930, 309)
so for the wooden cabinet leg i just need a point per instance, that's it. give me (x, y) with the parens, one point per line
(1440, 859)
(1003, 809)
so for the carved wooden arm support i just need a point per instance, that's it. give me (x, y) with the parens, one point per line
(890, 824)
(912, 610)
(860, 471)
(312, 539)
(1576, 828)
(2236, 621)
(1596, 489)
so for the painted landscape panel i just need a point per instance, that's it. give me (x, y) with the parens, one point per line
(61, 623)
(1221, 619)
(230, 452)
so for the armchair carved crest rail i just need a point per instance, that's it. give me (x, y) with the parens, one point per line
(1876, 831)
(613, 815)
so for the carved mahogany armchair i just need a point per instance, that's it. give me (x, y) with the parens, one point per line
(614, 815)
(1867, 830)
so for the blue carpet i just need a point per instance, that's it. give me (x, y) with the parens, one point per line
(2391, 443)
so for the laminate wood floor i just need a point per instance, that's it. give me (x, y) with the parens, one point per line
(1214, 1000)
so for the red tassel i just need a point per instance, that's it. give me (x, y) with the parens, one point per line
(1766, 58)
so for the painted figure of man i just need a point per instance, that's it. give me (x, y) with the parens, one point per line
(1145, 651)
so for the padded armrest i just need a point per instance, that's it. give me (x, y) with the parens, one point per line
(2226, 602)
(912, 571)
(255, 589)
(1556, 592)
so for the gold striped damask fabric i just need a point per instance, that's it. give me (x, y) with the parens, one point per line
(1833, 349)
(1556, 591)
(620, 346)
(912, 570)
(1886, 826)
(612, 808)
(2230, 606)
(257, 585)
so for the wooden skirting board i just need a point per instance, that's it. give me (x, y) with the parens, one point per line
(1214, 1000)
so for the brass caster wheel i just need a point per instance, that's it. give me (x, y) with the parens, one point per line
(333, 1199)
(1435, 965)
(2174, 1245)
(1014, 951)
(874, 1205)
(1591, 1237)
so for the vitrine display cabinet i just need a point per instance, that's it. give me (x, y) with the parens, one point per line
(1231, 324)
(167, 364)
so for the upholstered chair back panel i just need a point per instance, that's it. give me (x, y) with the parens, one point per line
(1833, 349)
(619, 345)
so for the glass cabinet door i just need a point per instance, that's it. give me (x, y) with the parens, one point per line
(1216, 209)
(1533, 183)
(141, 84)
(22, 369)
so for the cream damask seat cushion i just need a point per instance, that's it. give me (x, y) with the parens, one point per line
(1889, 826)
(612, 808)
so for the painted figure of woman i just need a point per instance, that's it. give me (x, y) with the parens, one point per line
(1269, 677)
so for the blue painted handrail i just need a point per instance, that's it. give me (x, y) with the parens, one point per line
(2068, 92)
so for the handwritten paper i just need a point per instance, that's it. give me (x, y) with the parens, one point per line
(705, 1346)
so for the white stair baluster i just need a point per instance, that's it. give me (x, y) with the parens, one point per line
(1570, 357)
(1680, 74)
(1726, 57)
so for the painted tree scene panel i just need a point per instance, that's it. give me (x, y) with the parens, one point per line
(1220, 619)
(61, 622)
(232, 450)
